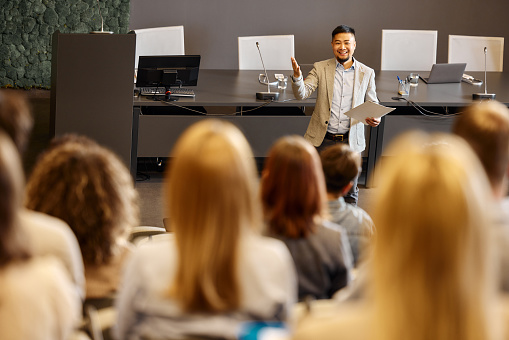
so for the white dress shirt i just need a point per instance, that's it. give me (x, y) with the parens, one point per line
(342, 98)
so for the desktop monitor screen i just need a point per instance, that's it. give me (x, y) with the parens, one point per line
(168, 71)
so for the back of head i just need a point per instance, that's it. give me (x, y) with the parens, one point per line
(431, 258)
(15, 117)
(485, 126)
(12, 246)
(88, 187)
(293, 187)
(340, 166)
(211, 200)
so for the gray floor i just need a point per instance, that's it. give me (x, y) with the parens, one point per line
(150, 190)
(151, 199)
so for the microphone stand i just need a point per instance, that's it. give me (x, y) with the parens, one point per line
(102, 31)
(266, 95)
(485, 95)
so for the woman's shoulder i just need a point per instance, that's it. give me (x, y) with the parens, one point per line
(41, 268)
(270, 246)
(327, 319)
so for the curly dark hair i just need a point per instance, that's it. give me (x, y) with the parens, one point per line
(88, 187)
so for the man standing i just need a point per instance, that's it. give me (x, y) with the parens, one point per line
(343, 83)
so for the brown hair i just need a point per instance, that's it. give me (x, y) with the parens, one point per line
(88, 187)
(340, 166)
(15, 117)
(293, 188)
(211, 200)
(12, 243)
(485, 126)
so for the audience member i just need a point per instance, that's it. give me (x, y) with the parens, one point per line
(294, 199)
(341, 165)
(216, 272)
(37, 298)
(432, 265)
(89, 188)
(47, 235)
(485, 126)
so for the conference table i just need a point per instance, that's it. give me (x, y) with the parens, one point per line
(229, 92)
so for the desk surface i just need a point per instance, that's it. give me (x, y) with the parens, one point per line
(232, 88)
(455, 94)
(238, 88)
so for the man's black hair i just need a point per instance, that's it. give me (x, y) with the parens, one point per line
(343, 29)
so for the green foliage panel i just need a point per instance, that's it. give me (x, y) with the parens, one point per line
(26, 27)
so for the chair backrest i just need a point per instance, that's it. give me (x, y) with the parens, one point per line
(409, 50)
(275, 49)
(470, 50)
(159, 41)
(142, 232)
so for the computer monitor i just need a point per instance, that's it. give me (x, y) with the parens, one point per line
(168, 70)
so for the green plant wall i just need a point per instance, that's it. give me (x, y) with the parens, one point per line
(26, 27)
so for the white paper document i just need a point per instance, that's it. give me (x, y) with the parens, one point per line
(368, 109)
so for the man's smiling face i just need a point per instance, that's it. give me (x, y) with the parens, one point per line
(343, 46)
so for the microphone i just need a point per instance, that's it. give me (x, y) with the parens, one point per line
(265, 95)
(102, 23)
(485, 95)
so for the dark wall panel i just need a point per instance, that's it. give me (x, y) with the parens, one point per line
(212, 26)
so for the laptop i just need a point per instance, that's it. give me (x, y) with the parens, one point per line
(445, 73)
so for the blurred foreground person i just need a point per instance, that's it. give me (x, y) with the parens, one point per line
(433, 274)
(47, 235)
(215, 272)
(88, 187)
(37, 298)
(294, 201)
(341, 165)
(485, 126)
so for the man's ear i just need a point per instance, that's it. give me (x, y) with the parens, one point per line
(346, 188)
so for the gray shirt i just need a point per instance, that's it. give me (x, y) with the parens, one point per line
(357, 223)
(323, 260)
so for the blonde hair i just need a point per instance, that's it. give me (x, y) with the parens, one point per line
(293, 188)
(88, 187)
(433, 274)
(210, 198)
(12, 243)
(485, 126)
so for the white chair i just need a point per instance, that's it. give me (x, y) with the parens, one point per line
(409, 50)
(141, 232)
(276, 51)
(470, 50)
(159, 41)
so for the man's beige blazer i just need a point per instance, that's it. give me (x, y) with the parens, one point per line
(321, 77)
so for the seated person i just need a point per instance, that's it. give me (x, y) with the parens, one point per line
(432, 260)
(38, 300)
(216, 272)
(341, 165)
(485, 127)
(294, 199)
(47, 235)
(89, 188)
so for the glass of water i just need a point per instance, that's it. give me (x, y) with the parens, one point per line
(413, 78)
(282, 83)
